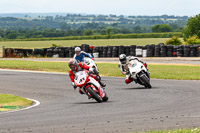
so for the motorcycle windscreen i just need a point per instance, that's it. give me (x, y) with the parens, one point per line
(80, 78)
(133, 63)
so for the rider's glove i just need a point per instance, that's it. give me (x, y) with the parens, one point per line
(74, 85)
(124, 73)
(91, 70)
(127, 73)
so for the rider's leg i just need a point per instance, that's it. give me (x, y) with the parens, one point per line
(128, 79)
(80, 91)
(98, 78)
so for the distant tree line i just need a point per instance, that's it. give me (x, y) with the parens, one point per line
(84, 25)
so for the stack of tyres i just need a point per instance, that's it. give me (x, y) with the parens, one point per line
(85, 48)
(180, 51)
(127, 50)
(66, 52)
(56, 52)
(121, 50)
(38, 52)
(9, 52)
(27, 52)
(157, 50)
(169, 51)
(198, 50)
(186, 51)
(110, 49)
(19, 52)
(139, 51)
(144, 51)
(132, 50)
(95, 50)
(163, 52)
(100, 49)
(115, 51)
(50, 52)
(175, 49)
(150, 50)
(45, 51)
(105, 51)
(71, 53)
(193, 51)
(61, 52)
(91, 49)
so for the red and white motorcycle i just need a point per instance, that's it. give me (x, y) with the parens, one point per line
(90, 86)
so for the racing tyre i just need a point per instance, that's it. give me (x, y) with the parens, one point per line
(94, 95)
(145, 80)
(105, 98)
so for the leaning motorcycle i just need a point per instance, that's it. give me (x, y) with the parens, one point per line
(139, 73)
(90, 86)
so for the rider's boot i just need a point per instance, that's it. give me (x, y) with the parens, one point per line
(127, 81)
(145, 64)
(81, 92)
(102, 84)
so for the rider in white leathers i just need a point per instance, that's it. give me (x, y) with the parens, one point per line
(123, 65)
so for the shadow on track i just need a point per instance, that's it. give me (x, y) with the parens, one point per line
(93, 102)
(138, 88)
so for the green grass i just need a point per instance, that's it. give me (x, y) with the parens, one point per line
(194, 130)
(9, 102)
(180, 72)
(98, 42)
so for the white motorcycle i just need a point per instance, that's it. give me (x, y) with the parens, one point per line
(89, 62)
(139, 73)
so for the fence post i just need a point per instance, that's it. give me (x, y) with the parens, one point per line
(2, 52)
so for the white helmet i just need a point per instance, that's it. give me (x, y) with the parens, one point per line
(122, 58)
(77, 49)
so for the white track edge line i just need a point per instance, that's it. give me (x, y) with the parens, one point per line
(37, 103)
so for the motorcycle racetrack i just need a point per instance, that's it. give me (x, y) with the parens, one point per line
(170, 104)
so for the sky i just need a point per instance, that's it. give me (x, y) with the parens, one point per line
(105, 7)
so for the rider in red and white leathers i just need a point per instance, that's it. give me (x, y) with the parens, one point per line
(75, 67)
(123, 65)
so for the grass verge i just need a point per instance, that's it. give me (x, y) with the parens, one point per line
(10, 102)
(194, 130)
(180, 72)
(68, 43)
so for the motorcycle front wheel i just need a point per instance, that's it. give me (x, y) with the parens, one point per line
(94, 95)
(145, 80)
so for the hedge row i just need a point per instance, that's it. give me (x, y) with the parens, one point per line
(152, 50)
(114, 36)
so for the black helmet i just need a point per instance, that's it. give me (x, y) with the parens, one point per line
(122, 58)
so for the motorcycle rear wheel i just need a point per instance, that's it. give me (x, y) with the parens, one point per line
(94, 95)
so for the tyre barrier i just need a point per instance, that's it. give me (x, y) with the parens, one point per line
(152, 50)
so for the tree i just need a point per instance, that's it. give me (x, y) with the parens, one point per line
(12, 36)
(193, 40)
(108, 31)
(161, 28)
(88, 32)
(174, 41)
(192, 27)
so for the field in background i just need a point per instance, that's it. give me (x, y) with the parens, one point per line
(157, 71)
(67, 43)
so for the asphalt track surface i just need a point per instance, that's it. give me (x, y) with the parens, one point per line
(170, 104)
